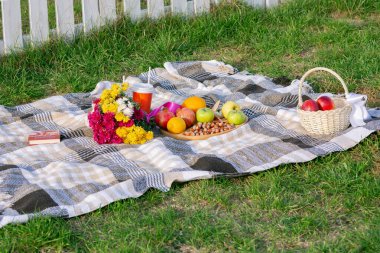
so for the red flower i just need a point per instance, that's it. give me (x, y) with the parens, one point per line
(138, 114)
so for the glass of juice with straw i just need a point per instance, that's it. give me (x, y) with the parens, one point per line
(142, 94)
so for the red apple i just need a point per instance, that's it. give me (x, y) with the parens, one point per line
(187, 115)
(310, 105)
(163, 117)
(325, 103)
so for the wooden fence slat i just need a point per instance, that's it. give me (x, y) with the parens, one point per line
(91, 17)
(257, 3)
(64, 12)
(179, 7)
(1, 47)
(39, 23)
(107, 10)
(201, 6)
(12, 31)
(272, 3)
(190, 8)
(248, 2)
(132, 8)
(156, 8)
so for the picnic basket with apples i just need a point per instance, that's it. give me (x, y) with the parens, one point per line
(326, 115)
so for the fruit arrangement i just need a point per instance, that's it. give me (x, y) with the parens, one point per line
(194, 119)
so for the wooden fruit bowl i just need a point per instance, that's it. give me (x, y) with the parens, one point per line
(181, 136)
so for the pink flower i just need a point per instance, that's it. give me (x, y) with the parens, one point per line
(116, 139)
(109, 121)
(94, 118)
(96, 101)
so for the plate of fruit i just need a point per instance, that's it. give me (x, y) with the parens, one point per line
(195, 121)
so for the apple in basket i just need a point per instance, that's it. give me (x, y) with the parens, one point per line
(310, 105)
(187, 115)
(163, 117)
(325, 103)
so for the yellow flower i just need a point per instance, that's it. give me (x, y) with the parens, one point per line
(112, 107)
(107, 101)
(125, 86)
(115, 87)
(140, 132)
(149, 135)
(132, 137)
(115, 90)
(105, 107)
(119, 116)
(105, 95)
(126, 119)
(122, 132)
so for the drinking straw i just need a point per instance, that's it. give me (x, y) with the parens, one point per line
(149, 75)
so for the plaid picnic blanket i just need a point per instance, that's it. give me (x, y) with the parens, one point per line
(78, 176)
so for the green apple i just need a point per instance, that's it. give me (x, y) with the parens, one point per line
(229, 106)
(205, 115)
(236, 117)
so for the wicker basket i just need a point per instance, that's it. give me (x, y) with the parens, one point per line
(325, 122)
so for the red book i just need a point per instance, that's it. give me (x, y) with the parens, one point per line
(44, 137)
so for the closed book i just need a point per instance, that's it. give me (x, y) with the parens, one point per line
(44, 137)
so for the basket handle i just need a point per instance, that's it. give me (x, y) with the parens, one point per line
(300, 102)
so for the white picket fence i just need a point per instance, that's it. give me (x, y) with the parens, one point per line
(95, 13)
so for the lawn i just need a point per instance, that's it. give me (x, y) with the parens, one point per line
(328, 205)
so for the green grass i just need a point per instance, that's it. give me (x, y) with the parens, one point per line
(328, 205)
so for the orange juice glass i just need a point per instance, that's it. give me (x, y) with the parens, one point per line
(142, 94)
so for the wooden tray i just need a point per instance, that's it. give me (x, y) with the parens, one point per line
(198, 137)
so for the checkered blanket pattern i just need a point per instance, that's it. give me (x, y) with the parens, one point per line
(78, 176)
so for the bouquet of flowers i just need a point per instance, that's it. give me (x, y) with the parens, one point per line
(116, 118)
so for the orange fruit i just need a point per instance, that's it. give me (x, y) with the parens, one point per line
(176, 125)
(194, 103)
